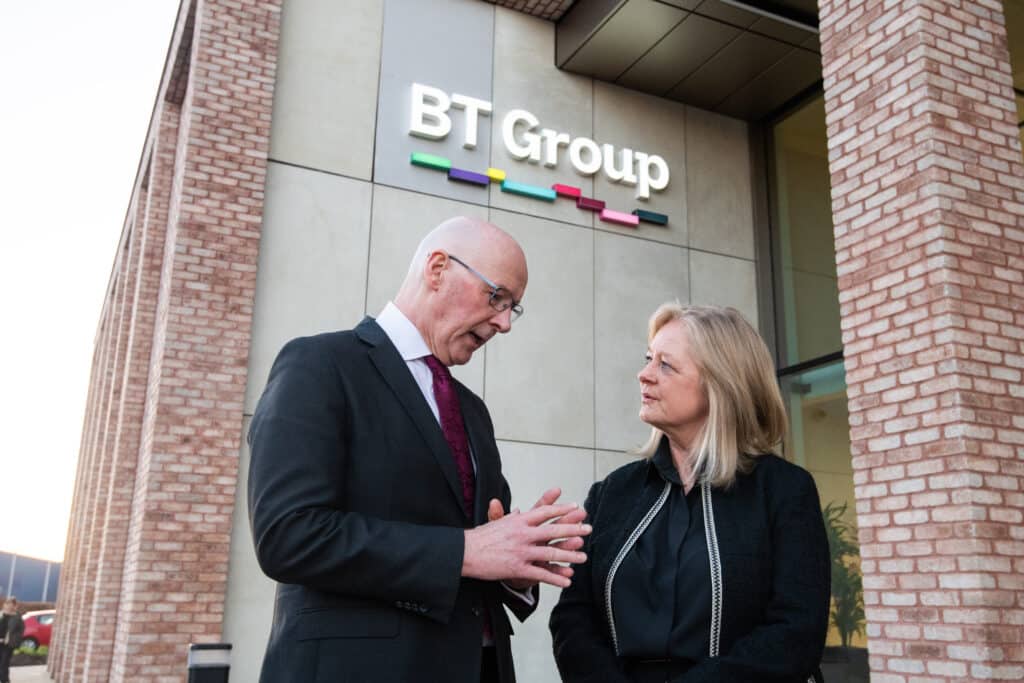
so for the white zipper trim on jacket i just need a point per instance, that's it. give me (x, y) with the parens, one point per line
(715, 561)
(626, 547)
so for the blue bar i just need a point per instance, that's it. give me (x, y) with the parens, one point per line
(531, 191)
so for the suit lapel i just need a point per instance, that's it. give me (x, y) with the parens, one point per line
(396, 375)
(486, 467)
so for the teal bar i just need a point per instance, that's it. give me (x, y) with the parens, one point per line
(651, 217)
(532, 191)
(430, 161)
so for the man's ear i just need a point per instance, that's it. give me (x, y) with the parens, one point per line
(433, 269)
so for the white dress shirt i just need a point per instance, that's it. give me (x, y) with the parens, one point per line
(411, 347)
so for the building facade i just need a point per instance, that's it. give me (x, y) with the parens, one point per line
(29, 579)
(849, 177)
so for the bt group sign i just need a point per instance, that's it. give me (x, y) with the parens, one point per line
(430, 119)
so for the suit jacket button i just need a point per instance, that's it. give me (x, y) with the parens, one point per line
(477, 611)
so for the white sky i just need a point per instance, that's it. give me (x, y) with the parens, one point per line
(77, 85)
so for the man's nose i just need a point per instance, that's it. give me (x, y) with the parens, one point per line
(502, 320)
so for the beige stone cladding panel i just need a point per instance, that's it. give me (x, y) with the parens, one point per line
(627, 119)
(632, 277)
(249, 600)
(530, 470)
(525, 77)
(724, 281)
(312, 267)
(720, 196)
(606, 462)
(540, 377)
(325, 103)
(400, 220)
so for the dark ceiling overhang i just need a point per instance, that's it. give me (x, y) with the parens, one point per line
(741, 59)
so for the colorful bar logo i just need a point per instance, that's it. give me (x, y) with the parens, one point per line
(496, 175)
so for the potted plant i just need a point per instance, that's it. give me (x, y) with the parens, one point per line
(844, 664)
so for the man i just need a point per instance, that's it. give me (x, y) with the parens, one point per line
(12, 628)
(373, 477)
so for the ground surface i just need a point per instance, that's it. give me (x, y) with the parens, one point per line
(29, 674)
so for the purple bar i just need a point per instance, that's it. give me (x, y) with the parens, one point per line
(468, 177)
(588, 203)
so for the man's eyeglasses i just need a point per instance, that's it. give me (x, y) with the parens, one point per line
(501, 299)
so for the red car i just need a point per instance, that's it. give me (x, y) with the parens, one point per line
(38, 626)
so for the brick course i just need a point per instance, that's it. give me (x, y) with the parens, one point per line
(928, 203)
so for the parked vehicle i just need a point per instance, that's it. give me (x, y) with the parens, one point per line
(38, 626)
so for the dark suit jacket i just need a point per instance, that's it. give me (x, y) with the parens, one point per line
(775, 577)
(355, 507)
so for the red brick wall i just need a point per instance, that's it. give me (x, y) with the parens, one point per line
(83, 559)
(147, 555)
(142, 283)
(96, 510)
(928, 203)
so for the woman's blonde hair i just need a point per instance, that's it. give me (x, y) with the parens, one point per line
(746, 415)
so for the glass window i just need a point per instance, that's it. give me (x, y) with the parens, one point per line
(808, 294)
(811, 374)
(819, 441)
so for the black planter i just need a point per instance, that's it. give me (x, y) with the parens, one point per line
(845, 665)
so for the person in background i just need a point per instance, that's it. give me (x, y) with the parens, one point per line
(12, 628)
(709, 560)
(376, 496)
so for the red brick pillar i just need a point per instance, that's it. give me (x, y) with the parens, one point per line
(95, 509)
(928, 205)
(142, 284)
(83, 560)
(175, 567)
(72, 582)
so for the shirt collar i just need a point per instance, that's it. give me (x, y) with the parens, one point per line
(402, 333)
(662, 461)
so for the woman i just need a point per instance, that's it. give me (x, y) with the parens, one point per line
(708, 560)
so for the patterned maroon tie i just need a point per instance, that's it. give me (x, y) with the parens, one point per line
(454, 429)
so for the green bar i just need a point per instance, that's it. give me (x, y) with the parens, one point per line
(532, 191)
(430, 161)
(651, 217)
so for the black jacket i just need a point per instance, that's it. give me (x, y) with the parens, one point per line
(357, 513)
(14, 630)
(775, 575)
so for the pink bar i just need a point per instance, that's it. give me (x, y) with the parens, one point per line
(566, 190)
(609, 216)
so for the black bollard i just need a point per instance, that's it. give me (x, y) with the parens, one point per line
(209, 662)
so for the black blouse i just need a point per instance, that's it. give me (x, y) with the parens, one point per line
(662, 598)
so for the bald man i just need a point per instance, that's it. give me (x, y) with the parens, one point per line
(376, 496)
